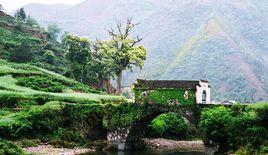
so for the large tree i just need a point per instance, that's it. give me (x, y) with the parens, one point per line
(31, 22)
(20, 14)
(54, 30)
(124, 50)
(78, 54)
(101, 68)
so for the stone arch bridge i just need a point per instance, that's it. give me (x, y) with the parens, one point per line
(125, 137)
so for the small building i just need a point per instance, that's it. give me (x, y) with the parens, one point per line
(171, 92)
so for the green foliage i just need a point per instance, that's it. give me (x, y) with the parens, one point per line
(78, 55)
(20, 47)
(31, 22)
(20, 14)
(100, 67)
(90, 64)
(15, 100)
(264, 149)
(41, 83)
(5, 111)
(164, 96)
(168, 125)
(61, 124)
(262, 111)
(21, 42)
(53, 31)
(125, 114)
(123, 50)
(9, 148)
(39, 119)
(66, 137)
(49, 56)
(215, 125)
(223, 127)
(37, 79)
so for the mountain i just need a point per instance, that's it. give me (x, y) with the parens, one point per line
(225, 42)
(44, 10)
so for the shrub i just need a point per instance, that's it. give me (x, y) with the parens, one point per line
(157, 127)
(41, 83)
(38, 120)
(264, 149)
(8, 148)
(215, 125)
(11, 100)
(46, 118)
(67, 137)
(168, 125)
(49, 56)
(52, 84)
(262, 113)
(232, 128)
(255, 137)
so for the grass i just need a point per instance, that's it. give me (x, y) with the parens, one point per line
(9, 87)
(29, 110)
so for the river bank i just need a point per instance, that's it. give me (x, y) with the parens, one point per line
(149, 144)
(161, 144)
(50, 150)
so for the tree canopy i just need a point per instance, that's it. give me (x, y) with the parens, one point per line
(100, 61)
(31, 22)
(54, 31)
(124, 50)
(78, 55)
(20, 14)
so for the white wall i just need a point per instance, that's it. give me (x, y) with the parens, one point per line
(199, 90)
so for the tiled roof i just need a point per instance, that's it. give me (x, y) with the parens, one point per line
(154, 84)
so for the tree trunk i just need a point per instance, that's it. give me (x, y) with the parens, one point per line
(107, 86)
(119, 83)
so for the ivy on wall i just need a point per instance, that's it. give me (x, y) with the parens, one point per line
(125, 114)
(165, 96)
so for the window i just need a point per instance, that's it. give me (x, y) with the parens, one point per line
(204, 96)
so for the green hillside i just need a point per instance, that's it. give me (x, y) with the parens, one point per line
(224, 42)
(23, 43)
(22, 81)
(37, 103)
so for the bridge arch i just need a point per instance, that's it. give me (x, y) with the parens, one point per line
(126, 137)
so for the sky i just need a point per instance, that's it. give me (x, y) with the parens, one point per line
(10, 5)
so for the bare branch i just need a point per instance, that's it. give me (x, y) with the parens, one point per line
(137, 40)
(111, 32)
(119, 27)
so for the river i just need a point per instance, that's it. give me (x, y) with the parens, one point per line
(147, 153)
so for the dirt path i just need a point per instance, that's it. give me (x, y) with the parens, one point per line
(50, 150)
